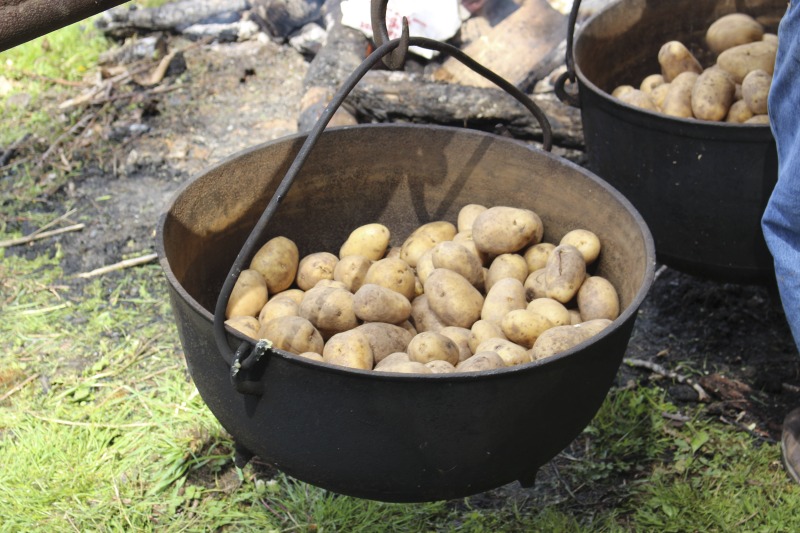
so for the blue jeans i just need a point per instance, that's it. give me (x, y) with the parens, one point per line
(781, 220)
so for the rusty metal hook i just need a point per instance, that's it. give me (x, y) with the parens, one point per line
(397, 59)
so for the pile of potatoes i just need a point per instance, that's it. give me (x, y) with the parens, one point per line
(480, 294)
(734, 89)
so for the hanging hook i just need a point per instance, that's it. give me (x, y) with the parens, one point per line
(397, 59)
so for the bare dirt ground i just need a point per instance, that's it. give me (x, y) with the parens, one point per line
(730, 338)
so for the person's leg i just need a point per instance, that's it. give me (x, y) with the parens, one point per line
(781, 221)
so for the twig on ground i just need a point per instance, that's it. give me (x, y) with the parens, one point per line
(750, 430)
(81, 124)
(702, 396)
(18, 387)
(127, 263)
(93, 424)
(40, 235)
(9, 152)
(660, 271)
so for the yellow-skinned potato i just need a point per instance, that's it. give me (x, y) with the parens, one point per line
(385, 339)
(620, 90)
(523, 327)
(483, 330)
(536, 284)
(564, 273)
(440, 367)
(587, 242)
(350, 349)
(464, 238)
(394, 274)
(501, 229)
(505, 296)
(453, 256)
(536, 256)
(293, 334)
(574, 317)
(467, 216)
(410, 367)
(331, 283)
(758, 119)
(329, 309)
(739, 112)
(597, 298)
(424, 238)
(453, 299)
(374, 303)
(370, 241)
(276, 307)
(740, 60)
(678, 100)
(425, 265)
(771, 38)
(430, 346)
(732, 30)
(649, 83)
(712, 95)
(315, 267)
(296, 295)
(246, 325)
(511, 353)
(248, 296)
(659, 94)
(314, 356)
(392, 359)
(277, 261)
(460, 336)
(422, 316)
(551, 309)
(486, 360)
(506, 266)
(351, 270)
(755, 89)
(561, 338)
(675, 58)
(638, 98)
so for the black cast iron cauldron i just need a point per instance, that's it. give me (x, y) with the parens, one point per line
(700, 186)
(395, 437)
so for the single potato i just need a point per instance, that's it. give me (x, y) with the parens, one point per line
(276, 307)
(385, 339)
(564, 273)
(293, 334)
(246, 325)
(394, 274)
(374, 303)
(351, 271)
(460, 336)
(597, 298)
(424, 238)
(453, 256)
(315, 267)
(501, 229)
(675, 58)
(712, 95)
(370, 241)
(277, 262)
(511, 353)
(732, 30)
(506, 295)
(422, 316)
(248, 296)
(453, 299)
(506, 266)
(536, 256)
(467, 216)
(329, 309)
(523, 327)
(755, 89)
(587, 242)
(536, 284)
(744, 58)
(551, 309)
(350, 349)
(430, 346)
(483, 330)
(678, 100)
(486, 360)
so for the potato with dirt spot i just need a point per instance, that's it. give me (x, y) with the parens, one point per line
(536, 256)
(370, 241)
(394, 274)
(350, 349)
(453, 299)
(597, 298)
(440, 367)
(315, 267)
(486, 360)
(564, 273)
(587, 242)
(248, 296)
(502, 229)
(675, 59)
(452, 256)
(276, 307)
(511, 352)
(536, 284)
(329, 309)
(551, 309)
(483, 330)
(745, 58)
(277, 261)
(385, 339)
(678, 100)
(561, 338)
(523, 327)
(712, 95)
(506, 295)
(460, 336)
(374, 303)
(351, 270)
(431, 346)
(467, 215)
(246, 325)
(506, 266)
(732, 30)
(293, 334)
(755, 90)
(424, 238)
(649, 83)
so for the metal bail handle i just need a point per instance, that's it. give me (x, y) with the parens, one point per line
(247, 354)
(567, 97)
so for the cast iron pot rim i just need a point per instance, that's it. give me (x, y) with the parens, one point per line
(623, 317)
(692, 127)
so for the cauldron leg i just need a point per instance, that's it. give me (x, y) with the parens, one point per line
(241, 455)
(527, 480)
